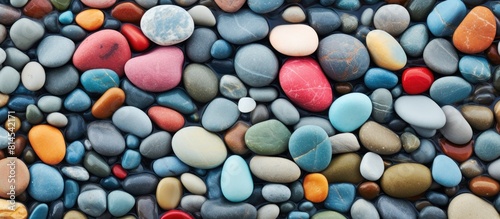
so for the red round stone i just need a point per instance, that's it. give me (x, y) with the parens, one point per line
(119, 172)
(459, 153)
(176, 214)
(417, 80)
(127, 12)
(305, 84)
(166, 118)
(138, 42)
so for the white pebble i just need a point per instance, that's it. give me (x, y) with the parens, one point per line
(372, 166)
(246, 104)
(57, 119)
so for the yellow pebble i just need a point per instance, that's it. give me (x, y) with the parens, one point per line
(9, 211)
(12, 124)
(91, 19)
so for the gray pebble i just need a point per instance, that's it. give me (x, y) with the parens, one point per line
(242, 27)
(198, 46)
(21, 37)
(382, 102)
(16, 58)
(441, 57)
(92, 202)
(321, 122)
(363, 209)
(57, 119)
(77, 173)
(74, 32)
(132, 120)
(62, 80)
(264, 94)
(200, 82)
(256, 65)
(192, 203)
(156, 145)
(9, 79)
(425, 153)
(367, 16)
(219, 209)
(231, 87)
(105, 138)
(285, 111)
(259, 114)
(220, 115)
(49, 103)
(147, 3)
(276, 193)
(55, 51)
(392, 18)
(349, 23)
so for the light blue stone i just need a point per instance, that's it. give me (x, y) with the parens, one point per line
(71, 191)
(177, 99)
(92, 200)
(66, 17)
(77, 101)
(120, 203)
(310, 148)
(242, 27)
(39, 211)
(46, 183)
(414, 40)
(220, 115)
(348, 112)
(169, 166)
(380, 78)
(474, 69)
(99, 80)
(425, 153)
(445, 17)
(256, 65)
(264, 6)
(167, 25)
(236, 180)
(5, 138)
(487, 145)
(298, 215)
(132, 120)
(131, 159)
(349, 5)
(132, 141)
(19, 103)
(221, 49)
(340, 197)
(445, 171)
(110, 183)
(75, 152)
(450, 89)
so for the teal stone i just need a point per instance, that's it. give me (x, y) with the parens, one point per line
(298, 215)
(236, 180)
(267, 138)
(110, 183)
(380, 78)
(19, 103)
(132, 141)
(77, 101)
(66, 17)
(71, 191)
(474, 69)
(445, 17)
(120, 203)
(46, 183)
(221, 49)
(264, 6)
(449, 90)
(445, 171)
(75, 152)
(220, 115)
(39, 211)
(349, 5)
(348, 112)
(177, 99)
(4, 113)
(487, 145)
(99, 80)
(414, 40)
(131, 159)
(340, 197)
(169, 166)
(310, 148)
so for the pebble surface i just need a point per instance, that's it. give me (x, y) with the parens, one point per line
(183, 109)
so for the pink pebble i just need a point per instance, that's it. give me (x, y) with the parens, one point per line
(99, 3)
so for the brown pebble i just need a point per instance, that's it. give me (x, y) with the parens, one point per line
(419, 205)
(29, 156)
(2, 154)
(479, 117)
(19, 145)
(37, 8)
(492, 54)
(20, 211)
(344, 168)
(484, 186)
(108, 103)
(451, 191)
(343, 87)
(471, 168)
(4, 99)
(497, 112)
(235, 138)
(9, 15)
(369, 190)
(14, 173)
(13, 124)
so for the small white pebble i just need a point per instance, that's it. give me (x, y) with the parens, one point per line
(57, 119)
(246, 104)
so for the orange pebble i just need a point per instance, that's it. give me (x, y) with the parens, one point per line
(91, 19)
(476, 32)
(315, 187)
(165, 118)
(108, 103)
(48, 143)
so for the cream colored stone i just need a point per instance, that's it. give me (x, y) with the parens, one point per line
(4, 99)
(379, 139)
(193, 184)
(274, 169)
(33, 76)
(73, 214)
(294, 39)
(467, 206)
(169, 193)
(202, 16)
(294, 14)
(344, 142)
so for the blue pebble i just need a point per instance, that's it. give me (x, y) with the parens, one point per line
(414, 40)
(46, 183)
(380, 78)
(213, 183)
(77, 101)
(169, 166)
(110, 183)
(132, 141)
(19, 103)
(75, 152)
(21, 89)
(219, 115)
(371, 2)
(474, 69)
(326, 2)
(236, 179)
(131, 159)
(487, 145)
(445, 17)
(348, 112)
(200, 172)
(349, 5)
(425, 153)
(39, 211)
(497, 203)
(66, 17)
(99, 80)
(298, 215)
(120, 203)
(71, 191)
(310, 148)
(445, 171)
(495, 7)
(4, 113)
(264, 6)
(177, 99)
(450, 89)
(221, 49)
(437, 198)
(340, 197)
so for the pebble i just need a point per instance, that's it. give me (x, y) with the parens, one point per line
(321, 122)
(293, 14)
(137, 97)
(24, 40)
(108, 103)
(380, 78)
(138, 42)
(246, 105)
(236, 180)
(10, 79)
(262, 7)
(62, 80)
(268, 211)
(241, 27)
(200, 82)
(219, 115)
(169, 193)
(274, 169)
(75, 128)
(344, 168)
(456, 129)
(219, 209)
(105, 138)
(417, 80)
(75, 152)
(294, 39)
(285, 111)
(256, 65)
(392, 18)
(40, 211)
(447, 63)
(57, 119)
(73, 32)
(192, 203)
(171, 18)
(120, 203)
(96, 165)
(476, 31)
(235, 138)
(21, 182)
(486, 145)
(166, 118)
(349, 23)
(176, 99)
(362, 208)
(267, 138)
(467, 205)
(276, 193)
(344, 142)
(132, 120)
(76, 173)
(484, 186)
(382, 103)
(146, 207)
(472, 168)
(441, 93)
(445, 17)
(385, 51)
(33, 76)
(474, 69)
(264, 94)
(128, 12)
(169, 166)
(445, 171)
(395, 208)
(131, 159)
(406, 180)
(414, 46)
(199, 45)
(367, 17)
(230, 6)
(46, 183)
(310, 148)
(15, 58)
(45, 137)
(92, 200)
(372, 166)
(11, 14)
(221, 49)
(55, 51)
(328, 214)
(340, 197)
(156, 145)
(140, 184)
(202, 15)
(99, 80)
(99, 4)
(420, 111)
(379, 139)
(342, 114)
(478, 117)
(193, 184)
(90, 19)
(315, 187)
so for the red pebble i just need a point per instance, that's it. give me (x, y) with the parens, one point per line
(103, 49)
(119, 172)
(417, 80)
(305, 84)
(166, 118)
(128, 12)
(459, 153)
(37, 8)
(176, 214)
(138, 42)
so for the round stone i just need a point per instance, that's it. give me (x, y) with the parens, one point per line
(476, 32)
(193, 184)
(372, 166)
(379, 139)
(467, 205)
(294, 39)
(48, 143)
(46, 183)
(132, 120)
(267, 138)
(55, 51)
(310, 148)
(156, 145)
(120, 203)
(219, 115)
(406, 180)
(487, 145)
(441, 56)
(256, 65)
(276, 193)
(420, 111)
(242, 27)
(350, 111)
(392, 18)
(385, 51)
(169, 193)
(445, 171)
(200, 82)
(105, 138)
(414, 39)
(246, 104)
(274, 169)
(167, 24)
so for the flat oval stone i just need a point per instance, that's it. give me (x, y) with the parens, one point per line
(55, 51)
(332, 53)
(441, 93)
(487, 145)
(379, 139)
(108, 103)
(22, 39)
(268, 211)
(77, 101)
(445, 171)
(445, 17)
(221, 49)
(380, 78)
(166, 118)
(15, 58)
(493, 169)
(236, 180)
(484, 186)
(62, 80)
(344, 168)
(256, 65)
(323, 20)
(192, 203)
(135, 96)
(476, 31)
(169, 193)
(57, 119)
(472, 168)
(127, 12)
(310, 148)
(262, 7)
(313, 92)
(456, 128)
(385, 51)
(242, 27)
(276, 193)
(285, 111)
(169, 166)
(105, 138)
(392, 18)
(10, 79)
(348, 112)
(99, 4)
(478, 117)
(156, 145)
(193, 184)
(133, 120)
(340, 197)
(362, 208)
(199, 148)
(219, 115)
(474, 69)
(440, 56)
(46, 183)
(465, 205)
(312, 120)
(344, 142)
(294, 39)
(315, 187)
(138, 42)
(395, 208)
(76, 173)
(92, 201)
(90, 19)
(140, 184)
(177, 99)
(99, 80)
(420, 111)
(167, 25)
(202, 15)
(48, 143)
(414, 39)
(150, 73)
(264, 94)
(383, 109)
(120, 203)
(235, 138)
(96, 165)
(21, 180)
(267, 138)
(220, 209)
(200, 82)
(372, 166)
(406, 180)
(274, 169)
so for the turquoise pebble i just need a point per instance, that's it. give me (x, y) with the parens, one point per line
(169, 166)
(487, 145)
(445, 17)
(120, 203)
(349, 5)
(177, 99)
(298, 215)
(219, 115)
(221, 49)
(262, 7)
(66, 17)
(450, 89)
(340, 197)
(474, 69)
(348, 112)
(99, 80)
(19, 103)
(46, 183)
(110, 183)
(131, 159)
(71, 191)
(236, 180)
(445, 171)
(414, 40)
(132, 141)
(39, 211)
(77, 101)
(310, 148)
(380, 78)
(75, 152)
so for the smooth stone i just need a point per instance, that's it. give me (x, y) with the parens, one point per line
(476, 31)
(33, 76)
(73, 32)
(92, 201)
(344, 142)
(456, 129)
(362, 208)
(392, 18)
(406, 180)
(201, 82)
(349, 23)
(417, 80)
(24, 40)
(420, 111)
(235, 138)
(467, 205)
(274, 169)
(382, 103)
(376, 78)
(285, 111)
(146, 207)
(409, 141)
(264, 94)
(169, 193)
(343, 57)
(486, 146)
(20, 102)
(367, 17)
(432, 212)
(395, 208)
(57, 119)
(49, 104)
(203, 150)
(177, 99)
(493, 170)
(46, 183)
(472, 168)
(3, 55)
(293, 14)
(135, 96)
(99, 4)
(213, 183)
(105, 138)
(166, 118)
(221, 49)
(156, 145)
(9, 14)
(246, 104)
(108, 103)
(77, 173)
(340, 197)
(242, 27)
(75, 152)
(230, 5)
(75, 128)
(441, 93)
(194, 184)
(10, 79)
(445, 171)
(176, 25)
(120, 203)
(77, 101)
(202, 15)
(414, 46)
(236, 180)
(34, 115)
(474, 69)
(419, 10)
(128, 12)
(267, 138)
(138, 42)
(478, 117)
(48, 143)
(18, 184)
(349, 5)
(268, 211)
(96, 165)
(259, 114)
(294, 39)
(372, 166)
(8, 211)
(385, 51)
(315, 188)
(440, 55)
(55, 51)
(132, 120)
(445, 17)
(312, 120)
(39, 211)
(219, 209)
(15, 58)
(99, 80)
(323, 20)
(326, 214)
(256, 65)
(344, 168)
(199, 44)
(484, 186)
(262, 7)
(379, 139)
(219, 115)
(192, 203)
(297, 191)
(62, 80)
(71, 191)
(140, 184)
(169, 166)
(310, 148)
(436, 198)
(276, 193)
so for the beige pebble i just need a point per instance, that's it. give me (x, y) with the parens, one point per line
(33, 76)
(406, 180)
(467, 206)
(193, 184)
(169, 193)
(294, 39)
(294, 14)
(20, 211)
(20, 172)
(379, 139)
(202, 16)
(73, 214)
(344, 142)
(274, 169)
(478, 117)
(4, 99)
(410, 142)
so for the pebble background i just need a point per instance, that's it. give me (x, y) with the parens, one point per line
(181, 109)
